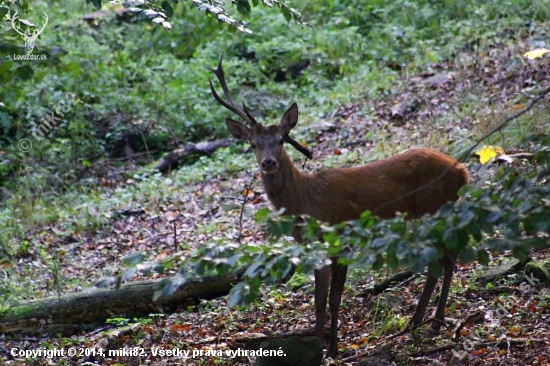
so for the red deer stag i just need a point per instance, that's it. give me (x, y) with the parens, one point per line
(415, 182)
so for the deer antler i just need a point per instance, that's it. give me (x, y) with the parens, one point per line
(228, 103)
(244, 113)
(298, 146)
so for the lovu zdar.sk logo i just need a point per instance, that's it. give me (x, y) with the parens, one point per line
(30, 35)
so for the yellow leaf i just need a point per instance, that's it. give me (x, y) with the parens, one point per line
(539, 52)
(488, 153)
(247, 192)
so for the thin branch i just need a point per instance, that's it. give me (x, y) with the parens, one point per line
(146, 147)
(504, 124)
(476, 317)
(242, 208)
(133, 155)
(175, 238)
(447, 347)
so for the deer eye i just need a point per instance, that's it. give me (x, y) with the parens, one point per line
(253, 146)
(281, 141)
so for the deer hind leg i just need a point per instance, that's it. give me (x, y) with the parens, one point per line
(322, 282)
(338, 280)
(448, 266)
(431, 281)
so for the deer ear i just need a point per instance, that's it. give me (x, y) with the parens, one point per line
(290, 118)
(237, 129)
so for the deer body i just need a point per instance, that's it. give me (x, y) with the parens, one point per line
(342, 194)
(415, 182)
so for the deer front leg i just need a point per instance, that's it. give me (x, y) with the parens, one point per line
(322, 282)
(338, 280)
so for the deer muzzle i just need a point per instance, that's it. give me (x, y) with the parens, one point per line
(269, 165)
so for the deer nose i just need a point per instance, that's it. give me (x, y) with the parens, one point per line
(269, 165)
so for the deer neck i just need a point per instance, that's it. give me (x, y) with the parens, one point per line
(288, 187)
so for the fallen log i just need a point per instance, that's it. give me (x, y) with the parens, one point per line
(170, 160)
(135, 299)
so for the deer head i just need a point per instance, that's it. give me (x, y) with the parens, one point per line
(267, 142)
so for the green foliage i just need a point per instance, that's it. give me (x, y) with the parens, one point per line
(119, 322)
(297, 281)
(160, 11)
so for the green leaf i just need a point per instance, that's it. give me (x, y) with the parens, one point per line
(129, 274)
(432, 57)
(243, 7)
(252, 271)
(167, 8)
(159, 268)
(261, 214)
(435, 269)
(475, 231)
(236, 294)
(483, 257)
(286, 12)
(133, 259)
(467, 255)
(96, 3)
(331, 237)
(392, 261)
(495, 215)
(167, 289)
(72, 67)
(512, 229)
(24, 72)
(462, 238)
(465, 217)
(429, 254)
(378, 262)
(200, 268)
(6, 65)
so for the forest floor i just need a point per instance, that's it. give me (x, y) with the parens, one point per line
(446, 100)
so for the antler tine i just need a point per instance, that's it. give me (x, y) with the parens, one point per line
(298, 146)
(221, 77)
(229, 103)
(250, 116)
